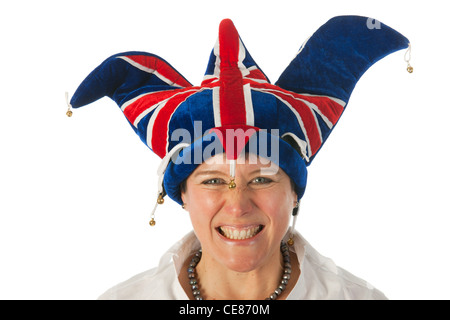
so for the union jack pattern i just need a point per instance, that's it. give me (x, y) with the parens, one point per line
(156, 99)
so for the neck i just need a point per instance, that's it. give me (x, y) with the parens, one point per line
(216, 281)
(219, 282)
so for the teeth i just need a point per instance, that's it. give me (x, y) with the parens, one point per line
(239, 234)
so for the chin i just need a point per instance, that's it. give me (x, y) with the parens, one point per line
(244, 258)
(242, 263)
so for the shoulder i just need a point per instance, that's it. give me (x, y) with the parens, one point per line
(323, 279)
(160, 283)
(150, 284)
(336, 282)
(355, 288)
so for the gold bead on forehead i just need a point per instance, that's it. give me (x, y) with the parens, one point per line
(232, 184)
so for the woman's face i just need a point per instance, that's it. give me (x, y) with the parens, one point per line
(242, 227)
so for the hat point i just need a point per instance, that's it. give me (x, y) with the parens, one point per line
(305, 103)
(228, 44)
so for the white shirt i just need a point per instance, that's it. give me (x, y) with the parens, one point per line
(320, 278)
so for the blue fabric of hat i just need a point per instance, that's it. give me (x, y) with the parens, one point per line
(236, 104)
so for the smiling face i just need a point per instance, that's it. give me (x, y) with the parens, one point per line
(240, 228)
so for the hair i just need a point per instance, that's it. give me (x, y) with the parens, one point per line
(183, 186)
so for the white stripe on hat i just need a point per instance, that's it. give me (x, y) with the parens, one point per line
(250, 116)
(216, 106)
(152, 71)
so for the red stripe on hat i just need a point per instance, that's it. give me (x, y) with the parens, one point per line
(329, 108)
(141, 105)
(160, 130)
(162, 67)
(257, 74)
(152, 99)
(308, 118)
(234, 138)
(232, 103)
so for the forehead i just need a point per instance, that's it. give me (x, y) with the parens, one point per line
(247, 162)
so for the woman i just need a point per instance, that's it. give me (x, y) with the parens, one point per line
(240, 230)
(234, 155)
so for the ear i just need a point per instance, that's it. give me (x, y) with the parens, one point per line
(296, 207)
(183, 191)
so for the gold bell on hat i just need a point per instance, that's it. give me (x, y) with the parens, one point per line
(69, 107)
(409, 68)
(160, 200)
(407, 58)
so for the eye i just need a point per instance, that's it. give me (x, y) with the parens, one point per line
(215, 181)
(261, 180)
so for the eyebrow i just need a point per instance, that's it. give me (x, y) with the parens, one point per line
(268, 172)
(207, 172)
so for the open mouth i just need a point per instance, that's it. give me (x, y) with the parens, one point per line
(240, 233)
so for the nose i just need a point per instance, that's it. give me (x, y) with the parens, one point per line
(238, 201)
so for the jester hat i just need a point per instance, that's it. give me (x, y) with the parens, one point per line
(297, 113)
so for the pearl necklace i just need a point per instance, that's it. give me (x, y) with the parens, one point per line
(281, 287)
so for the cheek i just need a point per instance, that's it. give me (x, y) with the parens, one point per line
(202, 207)
(278, 207)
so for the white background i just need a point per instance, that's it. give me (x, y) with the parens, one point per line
(76, 193)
